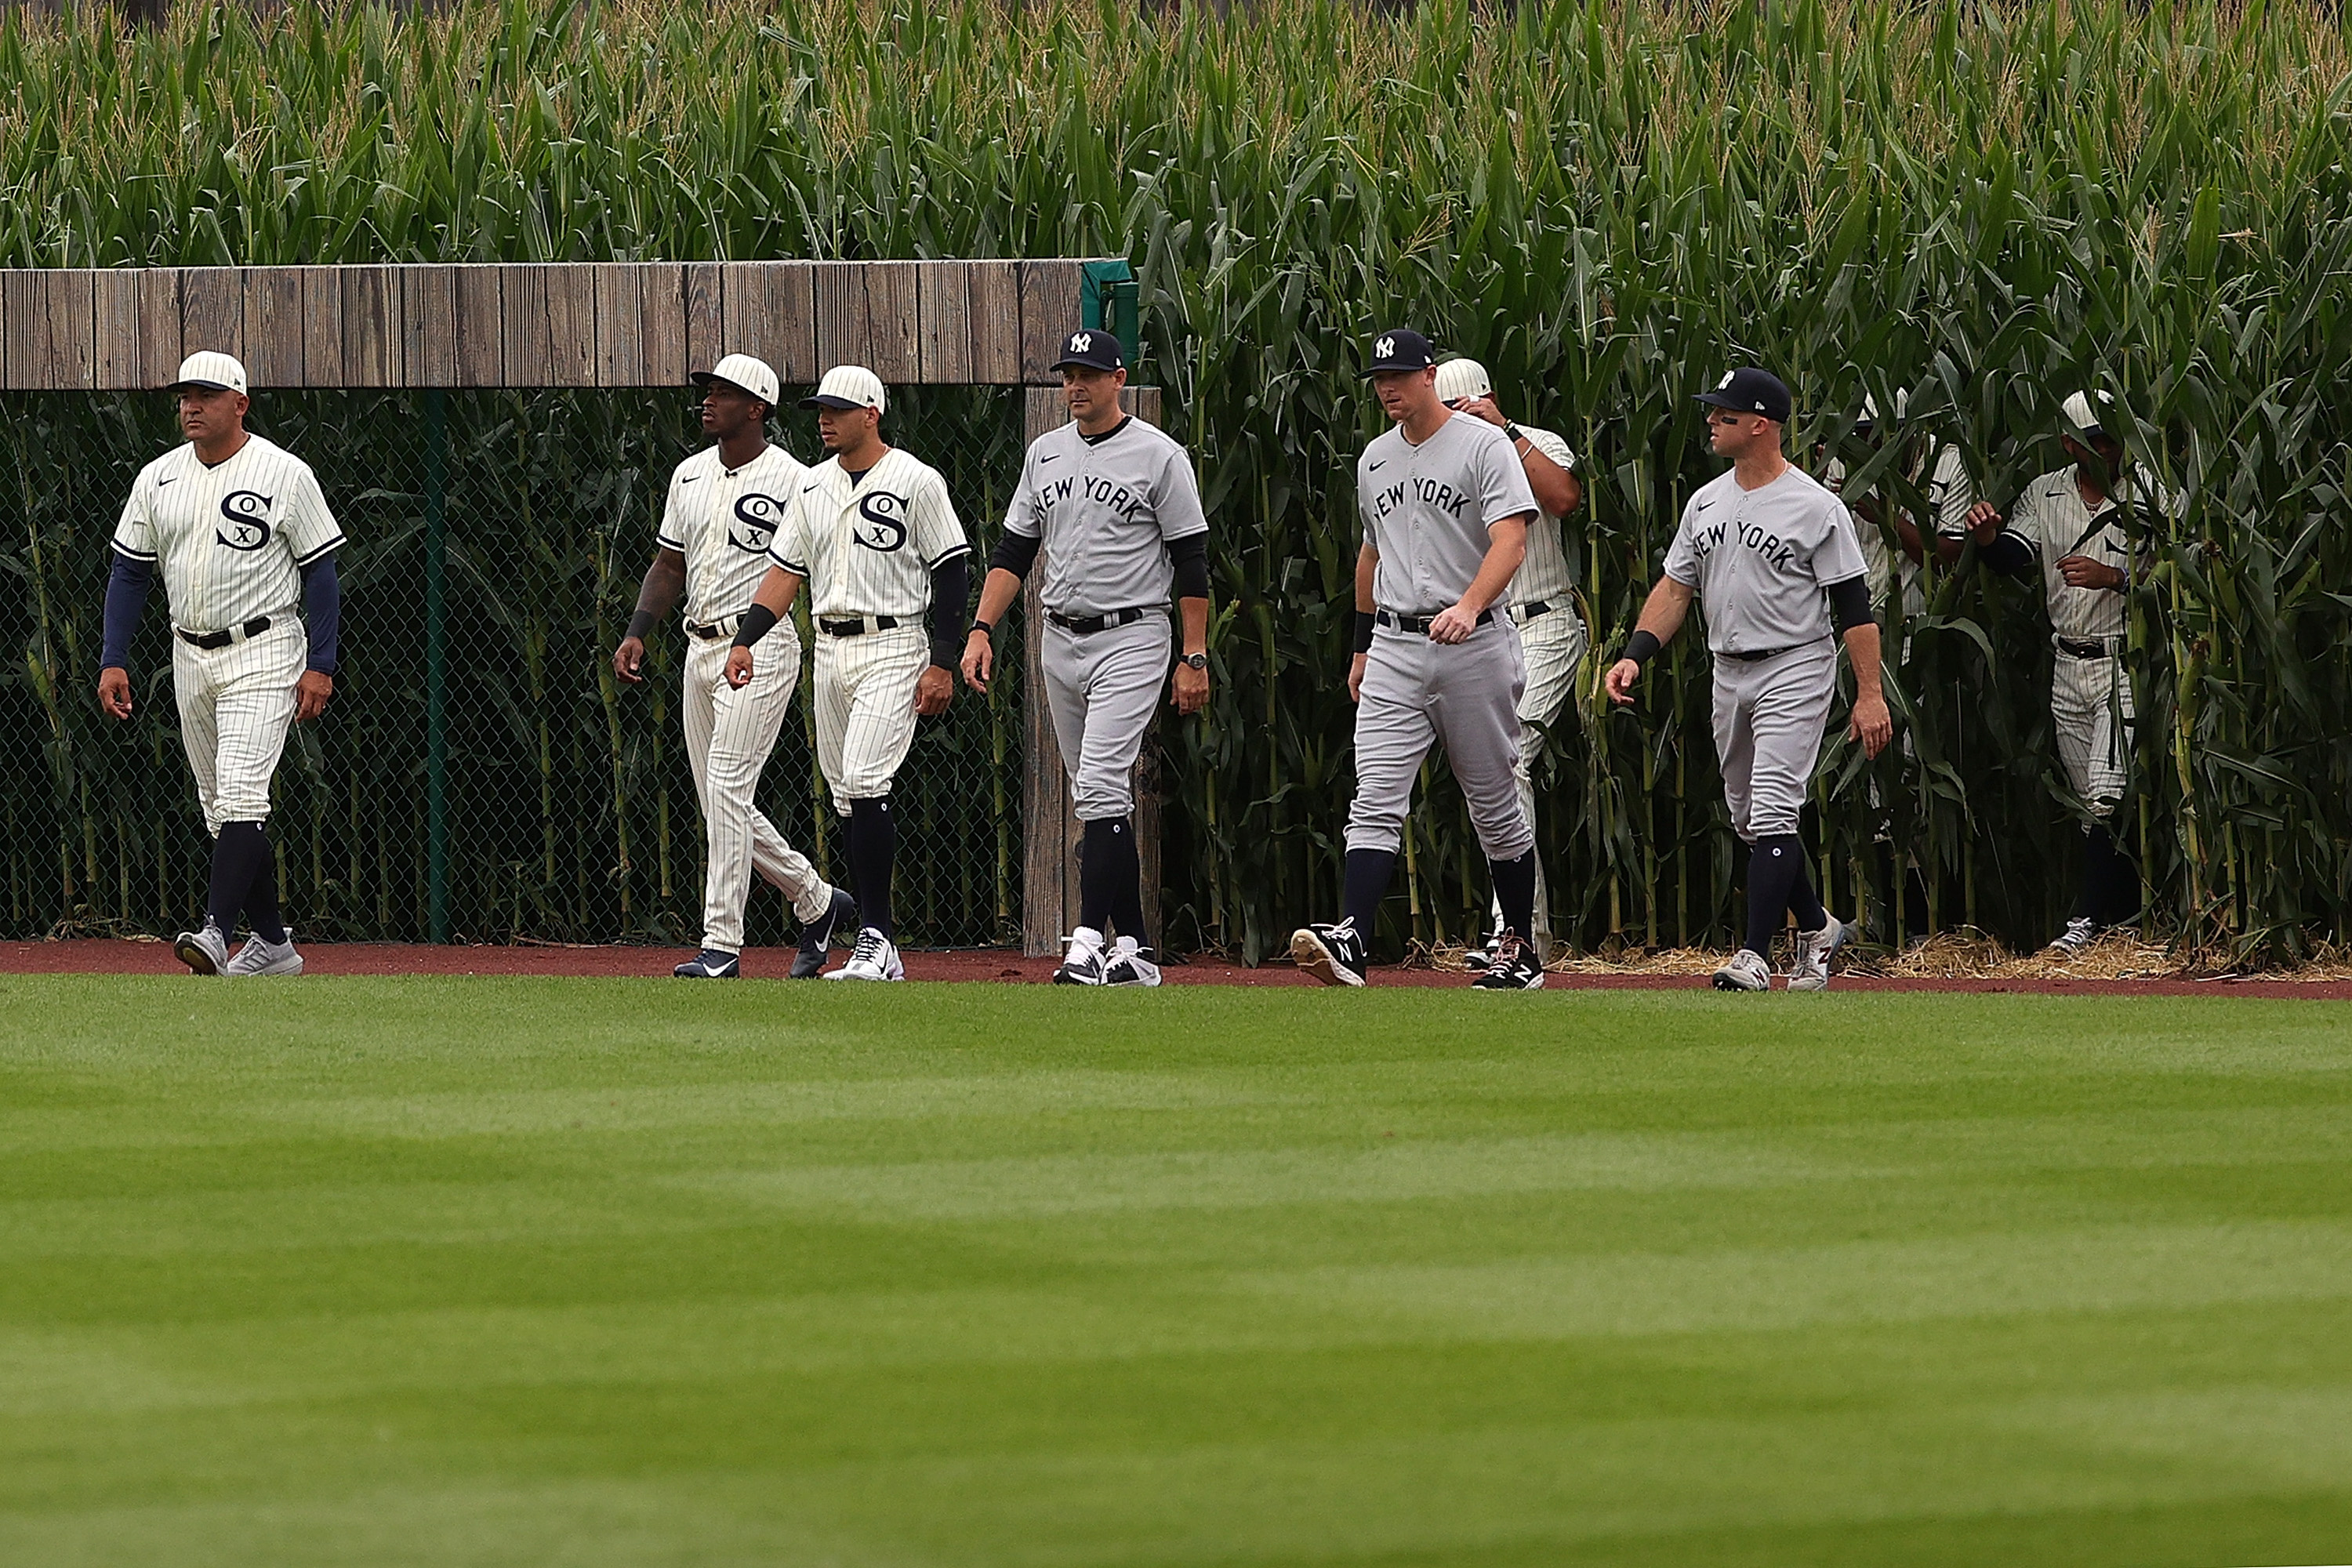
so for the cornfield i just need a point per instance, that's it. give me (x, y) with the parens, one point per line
(1985, 206)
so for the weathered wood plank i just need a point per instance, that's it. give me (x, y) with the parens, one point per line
(429, 325)
(661, 323)
(159, 325)
(523, 324)
(273, 326)
(70, 327)
(772, 312)
(943, 320)
(211, 311)
(895, 351)
(706, 314)
(572, 323)
(619, 327)
(323, 350)
(481, 326)
(844, 327)
(1051, 305)
(20, 306)
(373, 302)
(121, 361)
(994, 288)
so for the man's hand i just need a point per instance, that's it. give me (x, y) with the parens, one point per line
(310, 694)
(1619, 681)
(114, 690)
(1191, 689)
(934, 691)
(1483, 408)
(629, 657)
(1872, 725)
(2082, 572)
(1984, 523)
(979, 660)
(1356, 677)
(738, 667)
(1453, 624)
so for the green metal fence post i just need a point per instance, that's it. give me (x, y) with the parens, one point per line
(436, 671)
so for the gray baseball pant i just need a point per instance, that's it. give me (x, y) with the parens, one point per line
(1768, 719)
(1416, 694)
(1102, 687)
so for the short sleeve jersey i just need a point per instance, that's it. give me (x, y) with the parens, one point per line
(1104, 508)
(1760, 560)
(230, 539)
(868, 546)
(723, 520)
(1427, 510)
(2052, 522)
(1544, 575)
(1950, 494)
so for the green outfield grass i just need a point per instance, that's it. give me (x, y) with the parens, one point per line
(533, 1272)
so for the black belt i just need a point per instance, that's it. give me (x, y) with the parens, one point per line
(1761, 655)
(1420, 624)
(1534, 607)
(2073, 648)
(725, 626)
(252, 628)
(1095, 622)
(858, 628)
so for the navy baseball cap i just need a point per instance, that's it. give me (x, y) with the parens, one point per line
(1400, 348)
(1748, 390)
(1092, 348)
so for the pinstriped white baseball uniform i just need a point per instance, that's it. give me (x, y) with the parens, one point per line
(230, 542)
(867, 549)
(2091, 704)
(722, 520)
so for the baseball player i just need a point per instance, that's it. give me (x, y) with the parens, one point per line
(1112, 503)
(1774, 557)
(873, 533)
(724, 505)
(1542, 601)
(2078, 524)
(1950, 495)
(241, 531)
(1445, 508)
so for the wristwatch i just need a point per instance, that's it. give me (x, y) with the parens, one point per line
(1197, 660)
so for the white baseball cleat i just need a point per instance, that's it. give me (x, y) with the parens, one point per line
(1085, 962)
(204, 949)
(1128, 966)
(1811, 972)
(257, 957)
(875, 957)
(1745, 972)
(2080, 933)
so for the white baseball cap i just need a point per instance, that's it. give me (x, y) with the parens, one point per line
(848, 386)
(742, 370)
(2083, 416)
(212, 370)
(1461, 378)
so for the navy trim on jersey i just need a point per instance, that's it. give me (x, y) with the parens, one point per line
(794, 567)
(145, 557)
(950, 555)
(324, 550)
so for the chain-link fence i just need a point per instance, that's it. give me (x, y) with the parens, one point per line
(480, 773)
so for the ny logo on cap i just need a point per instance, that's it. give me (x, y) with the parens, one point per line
(1725, 381)
(1385, 347)
(1080, 343)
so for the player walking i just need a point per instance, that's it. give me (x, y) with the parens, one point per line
(2076, 522)
(1774, 557)
(1542, 601)
(872, 532)
(1112, 503)
(241, 530)
(1445, 507)
(722, 510)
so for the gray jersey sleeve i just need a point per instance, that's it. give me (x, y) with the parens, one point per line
(1177, 496)
(1682, 556)
(1020, 513)
(1837, 556)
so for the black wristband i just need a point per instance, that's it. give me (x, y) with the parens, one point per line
(1640, 645)
(984, 628)
(1514, 433)
(640, 623)
(758, 622)
(1363, 631)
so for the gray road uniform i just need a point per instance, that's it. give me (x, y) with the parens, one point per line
(1761, 562)
(1426, 511)
(1105, 509)
(2090, 693)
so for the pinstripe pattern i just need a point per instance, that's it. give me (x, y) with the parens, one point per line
(723, 520)
(868, 549)
(865, 709)
(1544, 573)
(227, 539)
(235, 705)
(729, 734)
(2091, 710)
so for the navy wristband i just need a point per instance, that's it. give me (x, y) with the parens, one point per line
(1640, 645)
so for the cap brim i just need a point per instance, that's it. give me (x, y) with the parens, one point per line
(711, 378)
(1723, 400)
(1082, 364)
(205, 385)
(1391, 369)
(826, 400)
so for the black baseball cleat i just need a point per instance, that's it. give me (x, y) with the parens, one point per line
(1514, 967)
(1332, 954)
(816, 936)
(709, 964)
